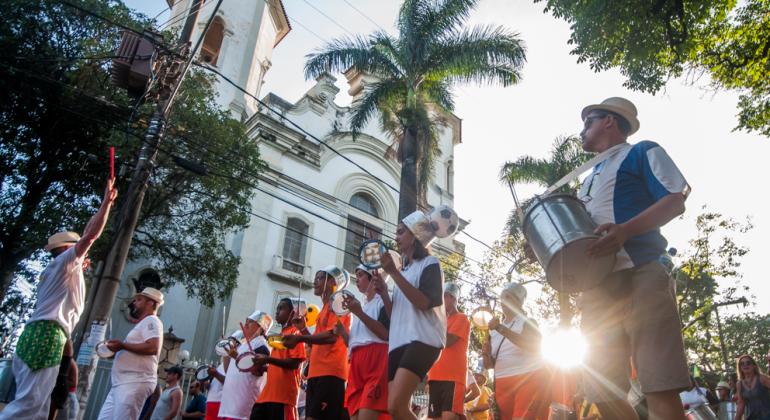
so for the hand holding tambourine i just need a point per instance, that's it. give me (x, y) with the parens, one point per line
(290, 341)
(493, 324)
(298, 321)
(352, 304)
(232, 351)
(379, 283)
(114, 345)
(388, 265)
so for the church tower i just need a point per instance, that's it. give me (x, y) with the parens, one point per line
(239, 44)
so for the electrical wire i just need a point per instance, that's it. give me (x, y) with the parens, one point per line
(329, 18)
(364, 15)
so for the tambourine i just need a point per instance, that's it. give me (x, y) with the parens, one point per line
(246, 361)
(276, 341)
(481, 317)
(371, 251)
(223, 346)
(337, 302)
(202, 373)
(103, 351)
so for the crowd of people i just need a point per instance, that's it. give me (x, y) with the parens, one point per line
(407, 332)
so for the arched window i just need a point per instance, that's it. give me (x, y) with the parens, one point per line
(365, 203)
(148, 278)
(212, 43)
(358, 230)
(295, 245)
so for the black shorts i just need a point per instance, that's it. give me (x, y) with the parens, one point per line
(415, 356)
(272, 411)
(325, 398)
(445, 396)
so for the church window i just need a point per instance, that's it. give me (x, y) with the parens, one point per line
(212, 43)
(295, 245)
(358, 230)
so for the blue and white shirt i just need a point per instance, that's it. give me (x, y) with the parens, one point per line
(629, 181)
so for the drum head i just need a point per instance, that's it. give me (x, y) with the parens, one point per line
(276, 341)
(481, 318)
(245, 361)
(202, 373)
(103, 351)
(337, 300)
(370, 253)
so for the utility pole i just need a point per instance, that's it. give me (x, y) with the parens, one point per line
(171, 70)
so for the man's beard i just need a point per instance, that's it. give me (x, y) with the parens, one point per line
(133, 311)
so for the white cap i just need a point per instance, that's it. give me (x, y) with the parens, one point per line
(515, 290)
(452, 289)
(364, 269)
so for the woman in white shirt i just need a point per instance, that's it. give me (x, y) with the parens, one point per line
(418, 321)
(513, 351)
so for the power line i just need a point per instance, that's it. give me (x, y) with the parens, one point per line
(364, 15)
(329, 18)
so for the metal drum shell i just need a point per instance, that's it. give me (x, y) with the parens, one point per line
(559, 230)
(702, 412)
(727, 410)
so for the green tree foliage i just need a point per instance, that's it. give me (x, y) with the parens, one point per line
(415, 72)
(58, 116)
(652, 41)
(707, 276)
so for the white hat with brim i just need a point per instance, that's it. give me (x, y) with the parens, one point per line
(363, 268)
(58, 240)
(153, 294)
(620, 106)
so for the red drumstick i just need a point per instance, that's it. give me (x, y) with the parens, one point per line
(112, 162)
(248, 341)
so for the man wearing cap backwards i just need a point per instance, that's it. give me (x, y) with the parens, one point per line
(60, 300)
(447, 378)
(631, 194)
(241, 389)
(513, 351)
(366, 396)
(278, 400)
(328, 369)
(135, 368)
(171, 398)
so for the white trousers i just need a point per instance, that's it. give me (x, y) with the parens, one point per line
(126, 401)
(33, 392)
(73, 406)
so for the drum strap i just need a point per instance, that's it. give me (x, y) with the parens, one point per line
(601, 157)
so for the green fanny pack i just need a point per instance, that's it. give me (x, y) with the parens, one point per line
(41, 344)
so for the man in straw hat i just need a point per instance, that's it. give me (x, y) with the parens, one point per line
(631, 194)
(60, 300)
(135, 368)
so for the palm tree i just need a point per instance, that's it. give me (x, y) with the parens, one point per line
(415, 72)
(566, 155)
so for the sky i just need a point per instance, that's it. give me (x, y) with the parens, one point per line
(693, 123)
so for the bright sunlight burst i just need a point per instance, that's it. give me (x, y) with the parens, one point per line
(564, 347)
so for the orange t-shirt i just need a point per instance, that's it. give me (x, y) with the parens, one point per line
(329, 359)
(282, 385)
(452, 364)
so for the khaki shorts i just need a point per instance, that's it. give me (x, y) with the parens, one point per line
(633, 314)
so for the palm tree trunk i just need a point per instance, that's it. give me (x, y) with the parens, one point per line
(407, 200)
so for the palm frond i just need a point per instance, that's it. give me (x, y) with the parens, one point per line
(438, 92)
(482, 54)
(375, 96)
(343, 53)
(446, 16)
(526, 169)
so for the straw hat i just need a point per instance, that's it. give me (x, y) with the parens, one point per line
(61, 239)
(152, 293)
(620, 106)
(723, 385)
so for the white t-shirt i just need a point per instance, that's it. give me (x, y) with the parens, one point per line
(410, 324)
(360, 335)
(215, 388)
(130, 367)
(510, 359)
(241, 389)
(694, 397)
(61, 291)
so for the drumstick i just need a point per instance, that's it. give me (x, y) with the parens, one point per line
(248, 340)
(112, 162)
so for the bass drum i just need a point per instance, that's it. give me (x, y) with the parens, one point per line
(702, 412)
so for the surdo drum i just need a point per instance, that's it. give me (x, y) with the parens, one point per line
(559, 230)
(702, 412)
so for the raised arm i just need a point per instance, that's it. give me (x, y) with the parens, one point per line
(96, 225)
